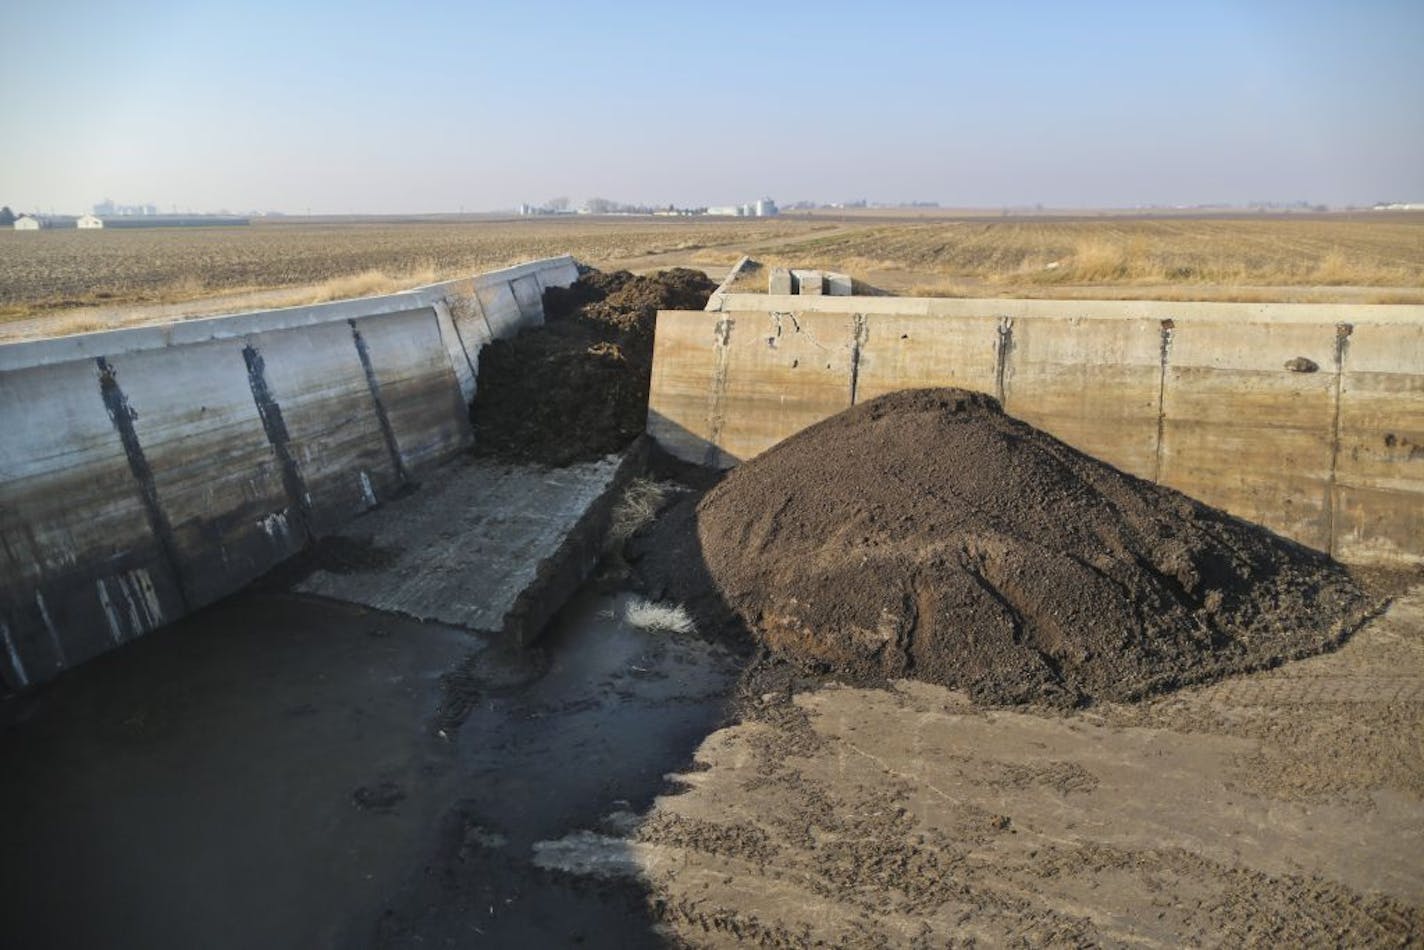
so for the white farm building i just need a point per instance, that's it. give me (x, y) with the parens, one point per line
(89, 222)
(26, 223)
(765, 208)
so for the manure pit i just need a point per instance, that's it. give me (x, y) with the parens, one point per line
(285, 770)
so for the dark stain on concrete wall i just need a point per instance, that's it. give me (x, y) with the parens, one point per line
(122, 415)
(276, 428)
(374, 384)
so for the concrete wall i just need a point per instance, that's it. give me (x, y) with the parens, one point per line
(714, 302)
(1306, 418)
(147, 472)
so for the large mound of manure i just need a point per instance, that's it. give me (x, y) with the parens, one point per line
(576, 388)
(927, 534)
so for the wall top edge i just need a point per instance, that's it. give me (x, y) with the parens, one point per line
(1077, 309)
(430, 293)
(63, 349)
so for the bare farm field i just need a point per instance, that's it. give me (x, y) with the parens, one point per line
(1363, 258)
(56, 282)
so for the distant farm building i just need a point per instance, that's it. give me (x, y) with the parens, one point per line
(89, 222)
(765, 208)
(108, 209)
(26, 223)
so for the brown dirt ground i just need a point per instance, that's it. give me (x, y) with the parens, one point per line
(1277, 807)
(1280, 808)
(926, 534)
(576, 388)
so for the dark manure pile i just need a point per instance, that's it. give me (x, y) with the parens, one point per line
(927, 534)
(576, 388)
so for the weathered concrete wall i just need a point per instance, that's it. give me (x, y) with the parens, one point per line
(147, 472)
(1306, 418)
(492, 306)
(714, 302)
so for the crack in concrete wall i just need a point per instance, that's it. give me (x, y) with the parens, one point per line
(860, 336)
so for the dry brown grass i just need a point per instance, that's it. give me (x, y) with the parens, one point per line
(1138, 260)
(371, 283)
(751, 278)
(658, 616)
(70, 324)
(1169, 255)
(636, 508)
(1395, 296)
(725, 258)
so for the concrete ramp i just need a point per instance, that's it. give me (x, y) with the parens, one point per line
(488, 546)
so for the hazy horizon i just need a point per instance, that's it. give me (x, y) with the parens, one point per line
(437, 108)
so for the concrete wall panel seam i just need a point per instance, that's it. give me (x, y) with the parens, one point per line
(860, 329)
(275, 427)
(718, 391)
(49, 626)
(1332, 501)
(22, 679)
(122, 416)
(374, 386)
(461, 363)
(1167, 328)
(1003, 351)
(479, 309)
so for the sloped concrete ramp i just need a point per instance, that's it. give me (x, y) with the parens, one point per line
(485, 545)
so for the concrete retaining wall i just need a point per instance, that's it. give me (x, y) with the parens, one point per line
(147, 472)
(1306, 418)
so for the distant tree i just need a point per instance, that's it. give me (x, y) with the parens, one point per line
(557, 204)
(7, 217)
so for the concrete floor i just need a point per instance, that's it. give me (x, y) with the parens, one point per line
(476, 538)
(292, 768)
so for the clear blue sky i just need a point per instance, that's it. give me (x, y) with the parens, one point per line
(412, 107)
